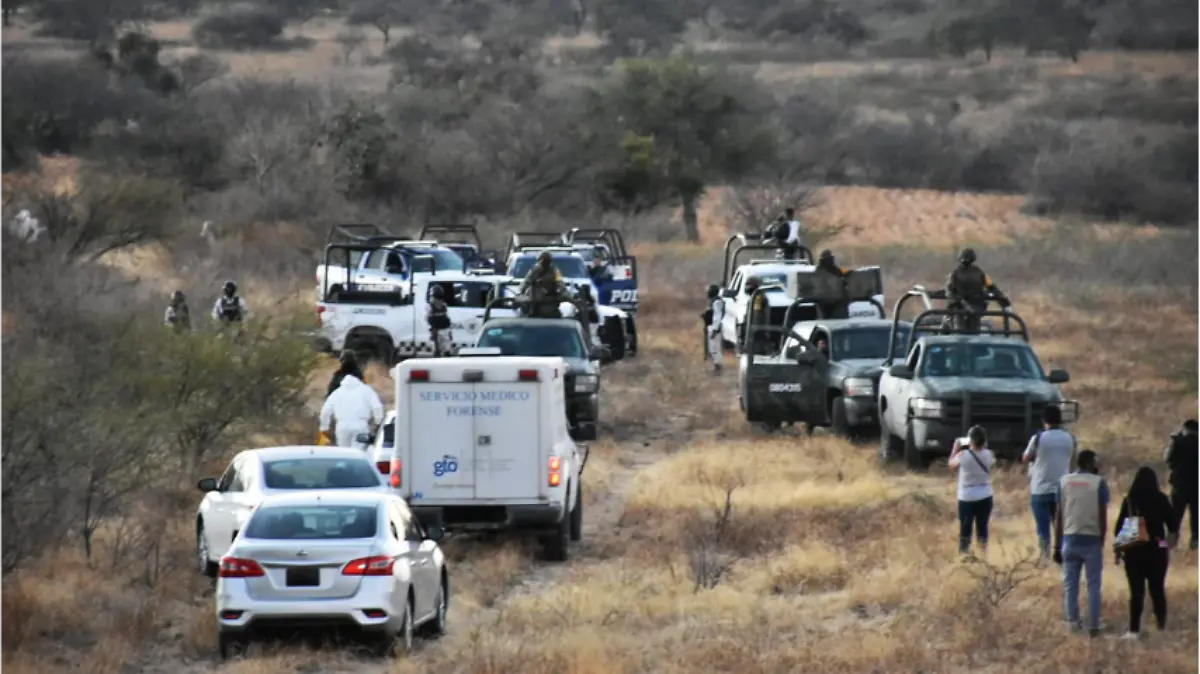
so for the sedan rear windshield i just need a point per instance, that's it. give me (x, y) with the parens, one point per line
(318, 473)
(282, 523)
(569, 266)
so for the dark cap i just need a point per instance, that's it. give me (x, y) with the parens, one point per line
(1088, 460)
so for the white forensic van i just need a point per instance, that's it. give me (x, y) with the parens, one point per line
(482, 443)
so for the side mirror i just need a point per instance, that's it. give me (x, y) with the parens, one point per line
(364, 438)
(601, 353)
(207, 484)
(435, 533)
(729, 293)
(901, 372)
(1058, 376)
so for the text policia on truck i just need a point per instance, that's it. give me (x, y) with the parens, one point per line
(482, 443)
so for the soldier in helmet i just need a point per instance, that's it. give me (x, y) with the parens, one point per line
(713, 316)
(968, 288)
(229, 308)
(439, 322)
(178, 316)
(545, 288)
(585, 304)
(827, 263)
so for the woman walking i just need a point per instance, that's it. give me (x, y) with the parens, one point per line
(974, 463)
(1146, 559)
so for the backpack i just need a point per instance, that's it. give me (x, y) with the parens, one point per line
(231, 308)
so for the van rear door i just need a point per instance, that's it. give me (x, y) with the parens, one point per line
(441, 439)
(508, 440)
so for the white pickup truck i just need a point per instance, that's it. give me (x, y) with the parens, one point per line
(389, 266)
(390, 325)
(481, 443)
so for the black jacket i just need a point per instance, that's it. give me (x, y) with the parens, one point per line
(1181, 458)
(1159, 516)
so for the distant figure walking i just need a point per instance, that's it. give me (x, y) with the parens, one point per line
(1051, 451)
(1148, 514)
(1080, 529)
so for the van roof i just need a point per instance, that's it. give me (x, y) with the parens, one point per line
(484, 362)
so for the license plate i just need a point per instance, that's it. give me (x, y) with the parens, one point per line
(302, 576)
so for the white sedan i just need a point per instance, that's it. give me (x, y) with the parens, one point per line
(339, 560)
(257, 473)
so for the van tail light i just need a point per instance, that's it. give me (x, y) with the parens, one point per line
(527, 375)
(554, 479)
(234, 567)
(628, 273)
(379, 565)
(418, 375)
(397, 472)
(384, 467)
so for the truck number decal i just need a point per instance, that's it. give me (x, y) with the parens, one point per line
(784, 388)
(625, 295)
(448, 464)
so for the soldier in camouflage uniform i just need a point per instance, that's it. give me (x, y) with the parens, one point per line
(584, 305)
(545, 288)
(968, 286)
(178, 316)
(439, 323)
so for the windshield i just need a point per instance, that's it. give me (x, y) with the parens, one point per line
(569, 266)
(768, 279)
(312, 522)
(868, 343)
(541, 340)
(992, 361)
(315, 473)
(443, 257)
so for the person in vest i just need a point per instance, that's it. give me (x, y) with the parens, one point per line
(353, 408)
(178, 316)
(229, 307)
(545, 288)
(1051, 453)
(439, 323)
(827, 263)
(968, 286)
(713, 317)
(1080, 529)
(1181, 459)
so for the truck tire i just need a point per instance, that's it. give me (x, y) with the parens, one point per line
(556, 546)
(577, 514)
(890, 446)
(913, 458)
(614, 337)
(837, 419)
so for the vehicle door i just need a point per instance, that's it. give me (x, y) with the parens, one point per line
(507, 434)
(621, 290)
(791, 388)
(733, 310)
(466, 302)
(222, 522)
(441, 441)
(245, 493)
(896, 391)
(864, 287)
(420, 553)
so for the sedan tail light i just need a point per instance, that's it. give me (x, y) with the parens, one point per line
(379, 565)
(233, 567)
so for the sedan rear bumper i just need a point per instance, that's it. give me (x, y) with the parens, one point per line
(237, 612)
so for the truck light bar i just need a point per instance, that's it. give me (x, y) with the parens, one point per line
(418, 375)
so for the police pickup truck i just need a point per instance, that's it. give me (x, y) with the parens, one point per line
(483, 445)
(819, 372)
(741, 268)
(379, 261)
(939, 381)
(615, 327)
(390, 323)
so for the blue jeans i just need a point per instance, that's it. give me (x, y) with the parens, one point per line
(1088, 557)
(973, 515)
(1044, 507)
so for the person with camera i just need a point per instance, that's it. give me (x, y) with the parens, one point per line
(1181, 459)
(974, 462)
